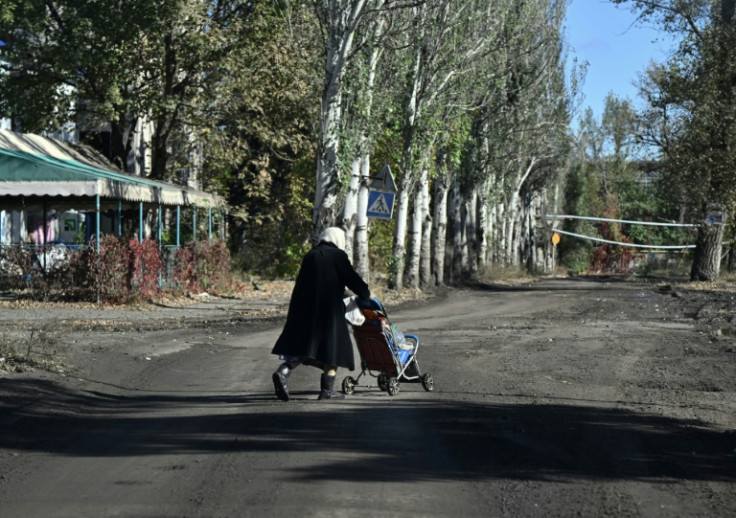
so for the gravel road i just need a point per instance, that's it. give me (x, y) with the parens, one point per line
(595, 397)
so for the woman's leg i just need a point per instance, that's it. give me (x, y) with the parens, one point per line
(281, 375)
(327, 384)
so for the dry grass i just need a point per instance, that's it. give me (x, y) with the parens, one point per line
(499, 275)
(34, 347)
(721, 285)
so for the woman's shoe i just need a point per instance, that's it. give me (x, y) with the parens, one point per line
(279, 382)
(327, 384)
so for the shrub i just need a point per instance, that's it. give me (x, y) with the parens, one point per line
(120, 271)
(15, 267)
(146, 267)
(109, 270)
(185, 269)
(203, 265)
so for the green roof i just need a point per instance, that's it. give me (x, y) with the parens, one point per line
(31, 165)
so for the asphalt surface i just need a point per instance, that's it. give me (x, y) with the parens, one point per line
(558, 398)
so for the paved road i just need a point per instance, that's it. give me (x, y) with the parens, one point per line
(548, 402)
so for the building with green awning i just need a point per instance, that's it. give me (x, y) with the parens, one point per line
(42, 175)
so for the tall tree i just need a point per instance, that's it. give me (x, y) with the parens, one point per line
(258, 134)
(692, 113)
(520, 134)
(360, 127)
(346, 27)
(127, 64)
(448, 42)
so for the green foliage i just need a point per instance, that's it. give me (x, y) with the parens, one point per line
(610, 182)
(140, 59)
(269, 245)
(691, 117)
(574, 252)
(236, 84)
(261, 155)
(291, 260)
(381, 244)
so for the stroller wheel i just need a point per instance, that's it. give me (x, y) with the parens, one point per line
(383, 382)
(428, 383)
(348, 385)
(393, 386)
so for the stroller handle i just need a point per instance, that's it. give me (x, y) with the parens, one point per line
(373, 303)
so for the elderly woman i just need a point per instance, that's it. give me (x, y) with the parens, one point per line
(316, 332)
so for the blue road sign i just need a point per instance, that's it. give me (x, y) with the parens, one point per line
(380, 204)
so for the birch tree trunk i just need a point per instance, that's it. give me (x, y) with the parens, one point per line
(459, 242)
(401, 212)
(731, 263)
(527, 244)
(439, 224)
(414, 241)
(471, 229)
(415, 232)
(350, 208)
(484, 219)
(552, 249)
(539, 241)
(425, 262)
(448, 39)
(341, 18)
(512, 210)
(511, 252)
(360, 255)
(407, 172)
(499, 244)
(325, 198)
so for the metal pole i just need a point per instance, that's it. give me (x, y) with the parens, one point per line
(178, 223)
(140, 222)
(45, 236)
(194, 223)
(97, 222)
(120, 218)
(209, 230)
(160, 246)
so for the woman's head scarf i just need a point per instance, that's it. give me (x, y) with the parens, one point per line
(333, 235)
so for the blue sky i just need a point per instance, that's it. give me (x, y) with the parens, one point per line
(602, 34)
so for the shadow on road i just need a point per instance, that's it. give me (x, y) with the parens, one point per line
(391, 440)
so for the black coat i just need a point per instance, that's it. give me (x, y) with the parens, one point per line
(315, 325)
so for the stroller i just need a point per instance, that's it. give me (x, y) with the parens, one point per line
(386, 353)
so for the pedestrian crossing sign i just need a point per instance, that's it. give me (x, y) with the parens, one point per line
(380, 204)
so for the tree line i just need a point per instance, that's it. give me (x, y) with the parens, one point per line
(465, 100)
(289, 108)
